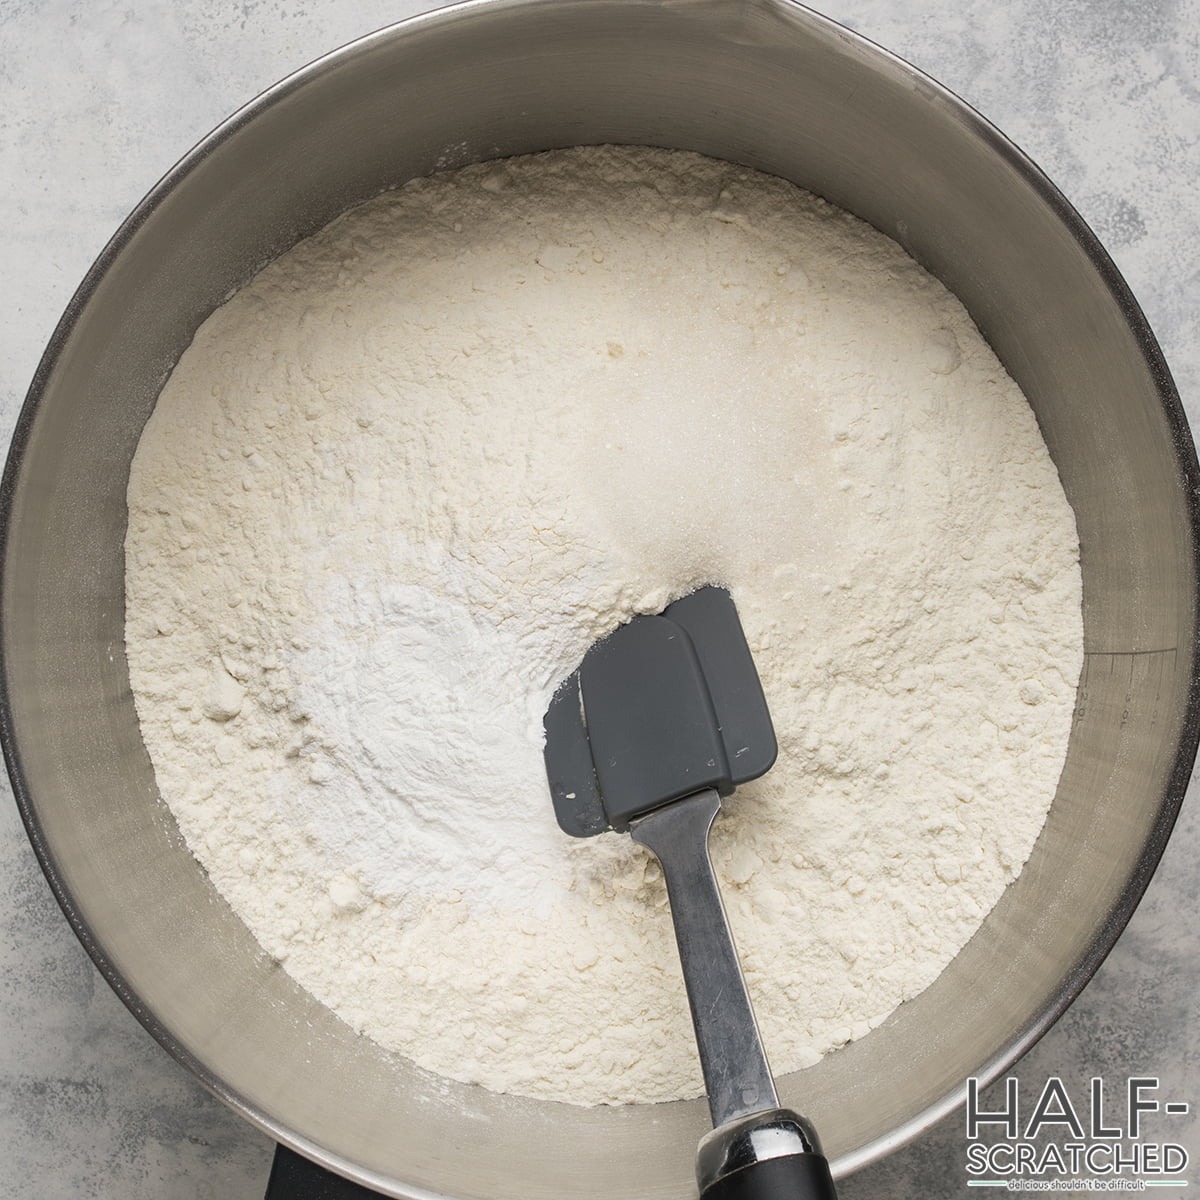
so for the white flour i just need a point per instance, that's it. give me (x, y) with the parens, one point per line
(405, 477)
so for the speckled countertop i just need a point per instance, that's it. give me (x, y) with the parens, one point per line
(97, 99)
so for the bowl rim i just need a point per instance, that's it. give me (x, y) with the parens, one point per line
(449, 16)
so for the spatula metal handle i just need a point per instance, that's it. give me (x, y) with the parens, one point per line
(732, 1059)
(757, 1150)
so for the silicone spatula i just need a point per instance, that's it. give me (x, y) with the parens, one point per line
(663, 718)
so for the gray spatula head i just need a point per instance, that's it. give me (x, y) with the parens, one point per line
(659, 709)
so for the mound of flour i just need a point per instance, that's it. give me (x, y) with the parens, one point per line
(406, 476)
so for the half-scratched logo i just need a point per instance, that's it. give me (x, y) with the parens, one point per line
(1114, 1138)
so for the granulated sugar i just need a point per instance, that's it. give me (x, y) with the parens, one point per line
(403, 479)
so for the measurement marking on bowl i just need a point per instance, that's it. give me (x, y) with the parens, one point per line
(1146, 669)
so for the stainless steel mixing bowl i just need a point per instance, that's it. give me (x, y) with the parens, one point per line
(760, 82)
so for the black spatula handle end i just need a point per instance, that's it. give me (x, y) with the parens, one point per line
(769, 1155)
(796, 1177)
